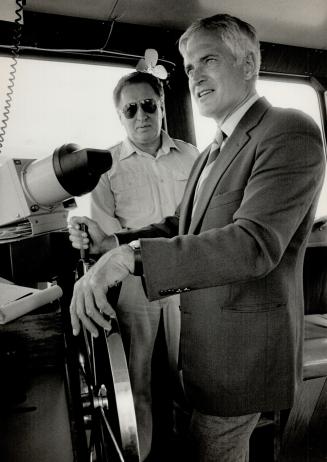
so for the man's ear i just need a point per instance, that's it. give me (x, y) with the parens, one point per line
(120, 115)
(162, 107)
(249, 67)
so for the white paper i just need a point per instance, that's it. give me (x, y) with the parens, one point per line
(11, 292)
(15, 301)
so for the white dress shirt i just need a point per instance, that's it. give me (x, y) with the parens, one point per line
(141, 189)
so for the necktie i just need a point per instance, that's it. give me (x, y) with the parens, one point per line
(214, 151)
(215, 147)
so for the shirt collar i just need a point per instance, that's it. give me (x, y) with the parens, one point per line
(167, 144)
(231, 122)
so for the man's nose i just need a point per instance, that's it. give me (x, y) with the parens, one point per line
(140, 113)
(198, 74)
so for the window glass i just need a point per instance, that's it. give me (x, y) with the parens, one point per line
(59, 102)
(283, 94)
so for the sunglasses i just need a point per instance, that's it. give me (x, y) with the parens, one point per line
(149, 106)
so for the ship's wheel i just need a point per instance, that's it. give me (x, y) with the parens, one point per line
(104, 421)
(106, 397)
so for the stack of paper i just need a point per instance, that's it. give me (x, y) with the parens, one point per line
(16, 230)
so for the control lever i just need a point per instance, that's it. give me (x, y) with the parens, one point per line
(85, 262)
(84, 252)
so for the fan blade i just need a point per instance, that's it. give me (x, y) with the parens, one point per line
(160, 72)
(151, 57)
(141, 66)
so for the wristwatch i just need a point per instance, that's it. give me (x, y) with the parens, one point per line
(136, 247)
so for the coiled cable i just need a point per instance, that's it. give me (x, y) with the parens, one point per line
(15, 53)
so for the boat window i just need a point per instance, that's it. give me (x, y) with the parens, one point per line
(58, 102)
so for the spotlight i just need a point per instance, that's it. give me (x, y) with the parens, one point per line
(36, 193)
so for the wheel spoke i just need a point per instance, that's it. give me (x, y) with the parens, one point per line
(111, 434)
(93, 362)
(88, 347)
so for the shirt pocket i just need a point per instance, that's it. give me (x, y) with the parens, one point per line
(180, 180)
(125, 181)
(132, 193)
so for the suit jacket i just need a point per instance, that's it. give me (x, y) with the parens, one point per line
(238, 263)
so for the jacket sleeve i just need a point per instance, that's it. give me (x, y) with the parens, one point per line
(281, 191)
(167, 228)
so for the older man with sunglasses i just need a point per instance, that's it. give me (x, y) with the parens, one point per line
(145, 184)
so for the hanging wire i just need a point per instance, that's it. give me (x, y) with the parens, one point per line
(96, 52)
(87, 52)
(16, 48)
(111, 25)
(15, 53)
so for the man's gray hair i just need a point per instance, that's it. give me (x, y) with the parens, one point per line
(239, 36)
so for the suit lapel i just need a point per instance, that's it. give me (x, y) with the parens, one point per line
(231, 149)
(187, 203)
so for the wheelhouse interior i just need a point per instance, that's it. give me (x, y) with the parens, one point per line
(59, 62)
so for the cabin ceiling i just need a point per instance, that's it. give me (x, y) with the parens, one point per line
(292, 22)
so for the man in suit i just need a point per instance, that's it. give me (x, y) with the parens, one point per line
(234, 249)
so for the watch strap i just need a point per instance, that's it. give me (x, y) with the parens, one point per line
(138, 266)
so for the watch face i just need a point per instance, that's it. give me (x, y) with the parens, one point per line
(135, 245)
